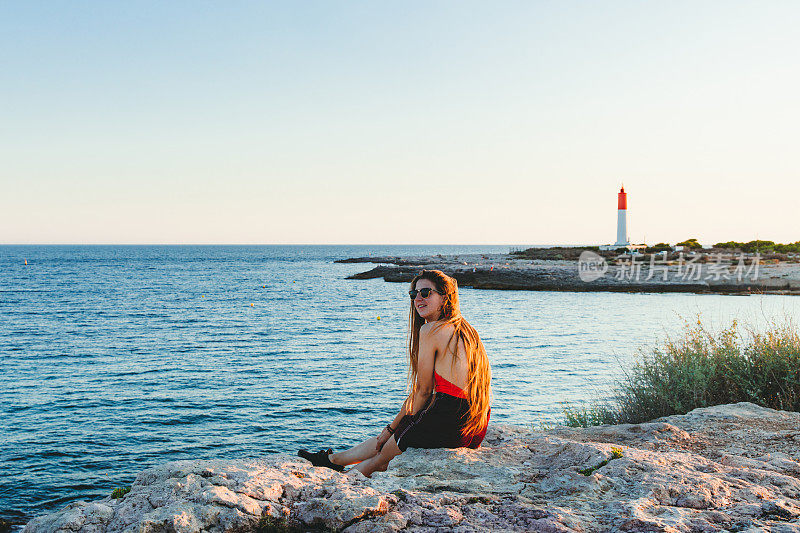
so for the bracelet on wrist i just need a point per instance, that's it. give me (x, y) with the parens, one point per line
(389, 429)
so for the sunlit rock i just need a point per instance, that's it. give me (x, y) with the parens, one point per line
(729, 467)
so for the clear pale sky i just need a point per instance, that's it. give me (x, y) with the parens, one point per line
(411, 122)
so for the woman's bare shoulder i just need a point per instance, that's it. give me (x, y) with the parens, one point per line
(440, 331)
(435, 327)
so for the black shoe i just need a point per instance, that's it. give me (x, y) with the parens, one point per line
(320, 459)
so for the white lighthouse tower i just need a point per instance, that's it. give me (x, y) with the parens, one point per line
(622, 224)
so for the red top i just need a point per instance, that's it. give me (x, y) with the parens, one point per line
(622, 199)
(442, 385)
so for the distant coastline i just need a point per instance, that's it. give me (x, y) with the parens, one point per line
(721, 271)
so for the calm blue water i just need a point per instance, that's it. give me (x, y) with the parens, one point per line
(117, 358)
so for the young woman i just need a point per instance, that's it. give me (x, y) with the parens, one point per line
(449, 378)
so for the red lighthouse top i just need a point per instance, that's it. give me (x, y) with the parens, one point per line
(622, 198)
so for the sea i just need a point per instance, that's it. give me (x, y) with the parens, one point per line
(118, 358)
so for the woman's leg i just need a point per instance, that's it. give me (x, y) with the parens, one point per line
(380, 461)
(357, 453)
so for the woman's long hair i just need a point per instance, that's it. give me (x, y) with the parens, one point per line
(479, 378)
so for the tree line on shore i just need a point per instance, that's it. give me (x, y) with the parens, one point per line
(749, 247)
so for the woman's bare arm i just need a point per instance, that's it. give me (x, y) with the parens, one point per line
(425, 363)
(403, 412)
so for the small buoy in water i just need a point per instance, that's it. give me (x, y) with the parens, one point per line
(492, 268)
(265, 286)
(26, 261)
(202, 296)
(379, 318)
(251, 305)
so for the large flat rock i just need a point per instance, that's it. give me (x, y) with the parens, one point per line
(725, 468)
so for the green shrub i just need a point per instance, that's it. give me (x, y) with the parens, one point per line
(793, 247)
(660, 247)
(592, 415)
(701, 369)
(690, 243)
(760, 246)
(120, 492)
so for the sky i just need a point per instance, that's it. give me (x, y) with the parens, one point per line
(398, 123)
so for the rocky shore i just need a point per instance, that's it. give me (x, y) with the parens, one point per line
(513, 272)
(725, 468)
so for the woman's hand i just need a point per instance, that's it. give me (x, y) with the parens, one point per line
(383, 438)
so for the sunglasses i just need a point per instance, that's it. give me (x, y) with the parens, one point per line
(422, 292)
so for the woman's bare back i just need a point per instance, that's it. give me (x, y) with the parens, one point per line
(452, 367)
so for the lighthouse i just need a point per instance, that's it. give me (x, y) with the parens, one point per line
(622, 227)
(622, 210)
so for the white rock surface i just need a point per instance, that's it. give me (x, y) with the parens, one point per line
(725, 468)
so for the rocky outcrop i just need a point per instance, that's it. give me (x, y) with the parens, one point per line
(509, 272)
(725, 468)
